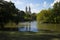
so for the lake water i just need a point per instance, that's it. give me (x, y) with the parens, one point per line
(38, 27)
(28, 26)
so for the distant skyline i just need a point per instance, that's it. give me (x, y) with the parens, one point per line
(36, 5)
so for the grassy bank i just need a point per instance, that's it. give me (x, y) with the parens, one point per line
(51, 27)
(11, 25)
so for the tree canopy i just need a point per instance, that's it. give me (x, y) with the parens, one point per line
(52, 15)
(7, 12)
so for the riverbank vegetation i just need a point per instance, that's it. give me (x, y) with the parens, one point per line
(51, 15)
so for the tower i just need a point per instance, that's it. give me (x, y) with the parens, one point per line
(26, 9)
(29, 10)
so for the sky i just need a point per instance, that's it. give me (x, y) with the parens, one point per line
(36, 5)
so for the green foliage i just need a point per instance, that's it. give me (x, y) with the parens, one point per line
(44, 15)
(33, 16)
(56, 11)
(50, 15)
(21, 16)
(7, 12)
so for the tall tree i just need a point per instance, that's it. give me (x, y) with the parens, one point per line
(7, 12)
(56, 10)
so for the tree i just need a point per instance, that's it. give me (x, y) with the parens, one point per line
(44, 15)
(56, 11)
(7, 12)
(50, 15)
(33, 16)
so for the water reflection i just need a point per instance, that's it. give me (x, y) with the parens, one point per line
(28, 26)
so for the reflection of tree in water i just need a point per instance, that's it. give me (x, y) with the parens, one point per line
(24, 26)
(28, 26)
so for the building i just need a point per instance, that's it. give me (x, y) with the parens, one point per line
(28, 10)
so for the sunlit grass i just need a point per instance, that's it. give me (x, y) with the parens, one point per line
(11, 25)
(52, 27)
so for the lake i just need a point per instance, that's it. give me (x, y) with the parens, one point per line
(28, 26)
(38, 27)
